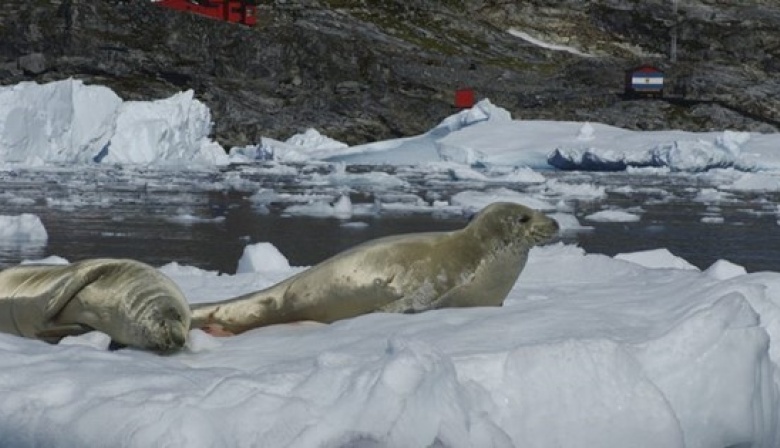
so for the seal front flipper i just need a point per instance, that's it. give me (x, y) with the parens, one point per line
(55, 333)
(422, 300)
(419, 301)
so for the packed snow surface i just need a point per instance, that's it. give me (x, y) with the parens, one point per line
(587, 351)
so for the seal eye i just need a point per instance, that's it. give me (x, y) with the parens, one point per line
(522, 219)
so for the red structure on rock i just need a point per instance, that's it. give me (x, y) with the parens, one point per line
(235, 11)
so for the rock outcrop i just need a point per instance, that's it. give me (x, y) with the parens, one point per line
(362, 70)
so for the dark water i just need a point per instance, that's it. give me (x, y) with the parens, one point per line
(132, 213)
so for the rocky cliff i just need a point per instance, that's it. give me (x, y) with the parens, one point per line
(362, 70)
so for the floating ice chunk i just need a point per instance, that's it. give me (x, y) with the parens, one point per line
(755, 182)
(569, 223)
(374, 179)
(710, 195)
(63, 121)
(171, 130)
(23, 228)
(188, 219)
(342, 208)
(686, 155)
(464, 173)
(677, 155)
(262, 257)
(52, 259)
(522, 175)
(587, 191)
(355, 225)
(473, 201)
(313, 139)
(712, 219)
(613, 216)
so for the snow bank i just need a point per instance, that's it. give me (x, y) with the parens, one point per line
(69, 122)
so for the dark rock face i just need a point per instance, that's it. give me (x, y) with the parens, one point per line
(363, 70)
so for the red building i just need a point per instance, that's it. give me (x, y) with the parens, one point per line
(236, 11)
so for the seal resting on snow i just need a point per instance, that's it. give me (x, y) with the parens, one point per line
(130, 301)
(473, 266)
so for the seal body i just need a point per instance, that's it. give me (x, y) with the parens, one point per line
(130, 301)
(473, 266)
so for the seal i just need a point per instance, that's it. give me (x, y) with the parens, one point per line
(473, 266)
(130, 301)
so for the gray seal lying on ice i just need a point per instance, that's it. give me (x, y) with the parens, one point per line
(473, 266)
(130, 301)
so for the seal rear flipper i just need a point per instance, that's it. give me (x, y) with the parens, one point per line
(54, 334)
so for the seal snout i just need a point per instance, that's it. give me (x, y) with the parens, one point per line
(174, 336)
(546, 228)
(178, 333)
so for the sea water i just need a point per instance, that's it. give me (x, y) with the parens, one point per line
(205, 218)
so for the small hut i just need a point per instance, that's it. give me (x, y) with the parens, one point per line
(645, 81)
